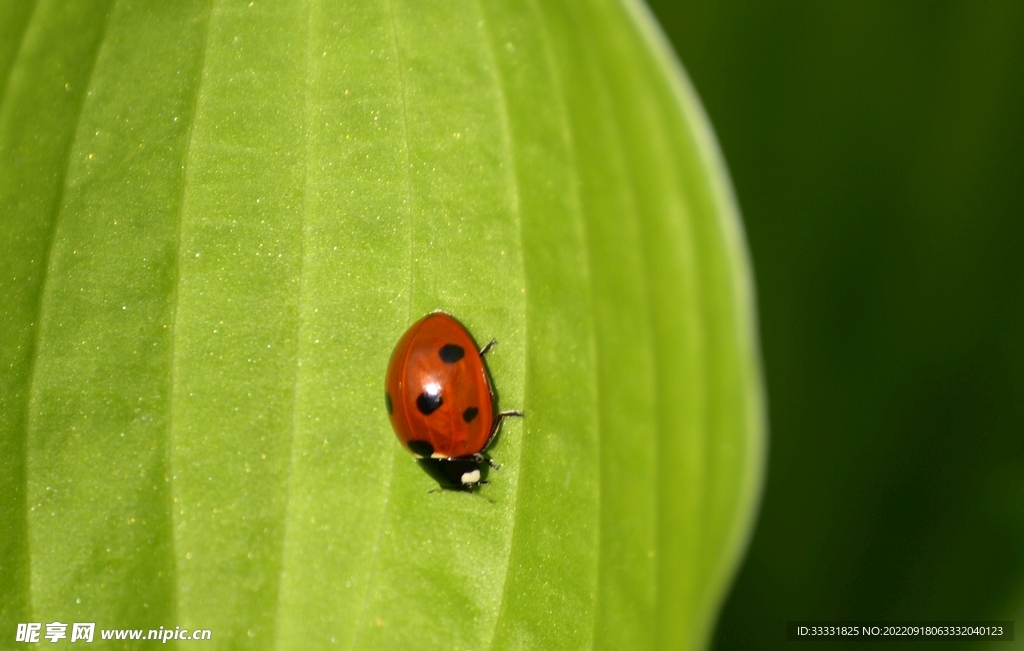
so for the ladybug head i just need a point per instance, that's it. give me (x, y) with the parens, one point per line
(461, 474)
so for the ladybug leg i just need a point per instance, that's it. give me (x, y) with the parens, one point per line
(466, 487)
(488, 347)
(501, 415)
(482, 458)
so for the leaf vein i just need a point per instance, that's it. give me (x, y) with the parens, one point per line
(56, 212)
(514, 190)
(576, 201)
(300, 285)
(172, 349)
(389, 481)
(22, 37)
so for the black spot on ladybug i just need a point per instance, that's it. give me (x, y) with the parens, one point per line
(470, 414)
(428, 403)
(451, 353)
(422, 448)
(387, 403)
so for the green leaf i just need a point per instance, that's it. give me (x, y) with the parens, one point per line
(217, 221)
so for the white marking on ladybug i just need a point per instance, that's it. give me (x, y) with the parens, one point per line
(471, 477)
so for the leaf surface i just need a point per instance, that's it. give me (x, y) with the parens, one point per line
(219, 219)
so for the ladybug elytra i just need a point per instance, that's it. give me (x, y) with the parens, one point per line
(440, 402)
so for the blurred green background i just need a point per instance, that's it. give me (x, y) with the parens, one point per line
(877, 151)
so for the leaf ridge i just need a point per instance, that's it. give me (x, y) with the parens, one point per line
(581, 222)
(514, 192)
(300, 287)
(730, 236)
(616, 149)
(8, 608)
(701, 212)
(173, 347)
(389, 481)
(56, 213)
(22, 37)
(623, 106)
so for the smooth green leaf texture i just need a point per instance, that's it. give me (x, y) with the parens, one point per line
(218, 218)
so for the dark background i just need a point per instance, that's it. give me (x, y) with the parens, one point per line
(877, 151)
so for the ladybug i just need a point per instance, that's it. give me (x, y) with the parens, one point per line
(439, 398)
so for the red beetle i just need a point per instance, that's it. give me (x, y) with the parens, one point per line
(440, 401)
